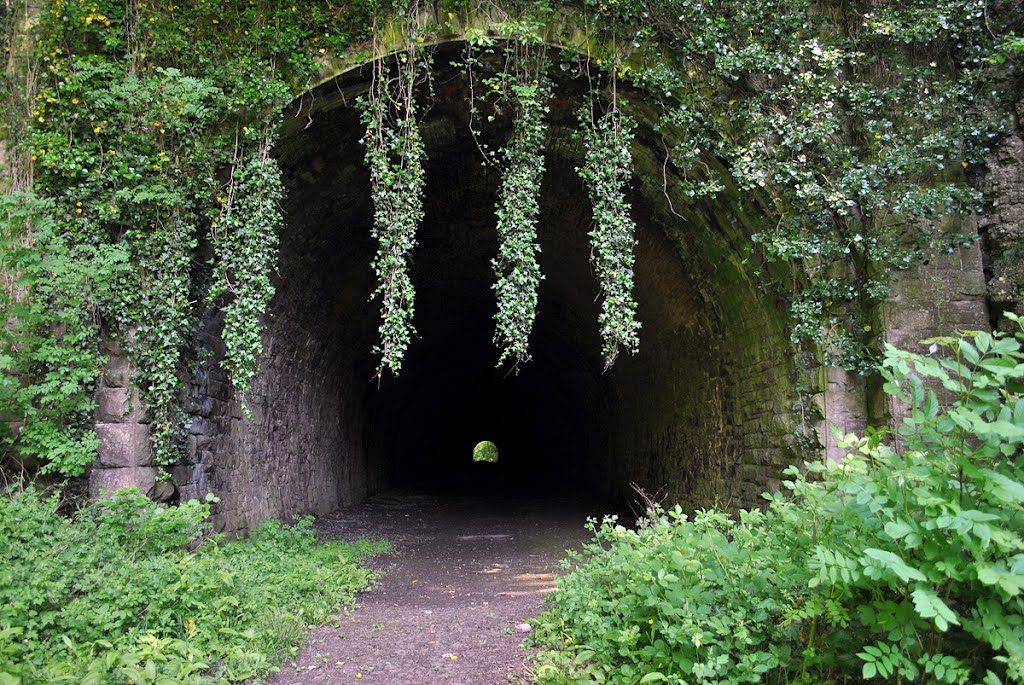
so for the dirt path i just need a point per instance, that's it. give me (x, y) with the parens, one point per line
(466, 573)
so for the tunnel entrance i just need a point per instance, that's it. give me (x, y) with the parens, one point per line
(692, 416)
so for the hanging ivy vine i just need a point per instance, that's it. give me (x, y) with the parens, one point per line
(606, 170)
(527, 90)
(244, 237)
(395, 156)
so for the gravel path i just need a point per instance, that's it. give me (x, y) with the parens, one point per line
(451, 603)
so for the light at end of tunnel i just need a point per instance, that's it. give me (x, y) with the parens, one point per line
(485, 451)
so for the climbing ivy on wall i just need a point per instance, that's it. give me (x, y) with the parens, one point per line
(139, 139)
(150, 132)
(855, 123)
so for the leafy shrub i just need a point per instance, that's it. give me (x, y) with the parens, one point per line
(114, 594)
(897, 565)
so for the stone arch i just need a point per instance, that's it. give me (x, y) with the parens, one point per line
(703, 414)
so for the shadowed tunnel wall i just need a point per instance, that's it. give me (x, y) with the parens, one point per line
(701, 414)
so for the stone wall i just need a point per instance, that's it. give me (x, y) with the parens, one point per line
(1002, 225)
(733, 423)
(294, 444)
(942, 297)
(124, 456)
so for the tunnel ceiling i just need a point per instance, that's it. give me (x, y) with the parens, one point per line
(692, 415)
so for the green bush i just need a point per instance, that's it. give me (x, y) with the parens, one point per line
(901, 566)
(128, 590)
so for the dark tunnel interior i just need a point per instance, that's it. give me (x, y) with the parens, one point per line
(546, 417)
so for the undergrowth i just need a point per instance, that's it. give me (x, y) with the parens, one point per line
(898, 565)
(131, 591)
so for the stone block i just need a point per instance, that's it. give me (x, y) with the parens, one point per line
(119, 405)
(218, 390)
(123, 445)
(181, 474)
(199, 426)
(110, 347)
(117, 373)
(104, 482)
(964, 314)
(200, 405)
(162, 491)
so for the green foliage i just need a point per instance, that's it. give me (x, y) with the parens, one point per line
(852, 121)
(516, 266)
(395, 156)
(1007, 50)
(607, 169)
(245, 240)
(675, 601)
(898, 566)
(138, 113)
(485, 451)
(48, 359)
(114, 594)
